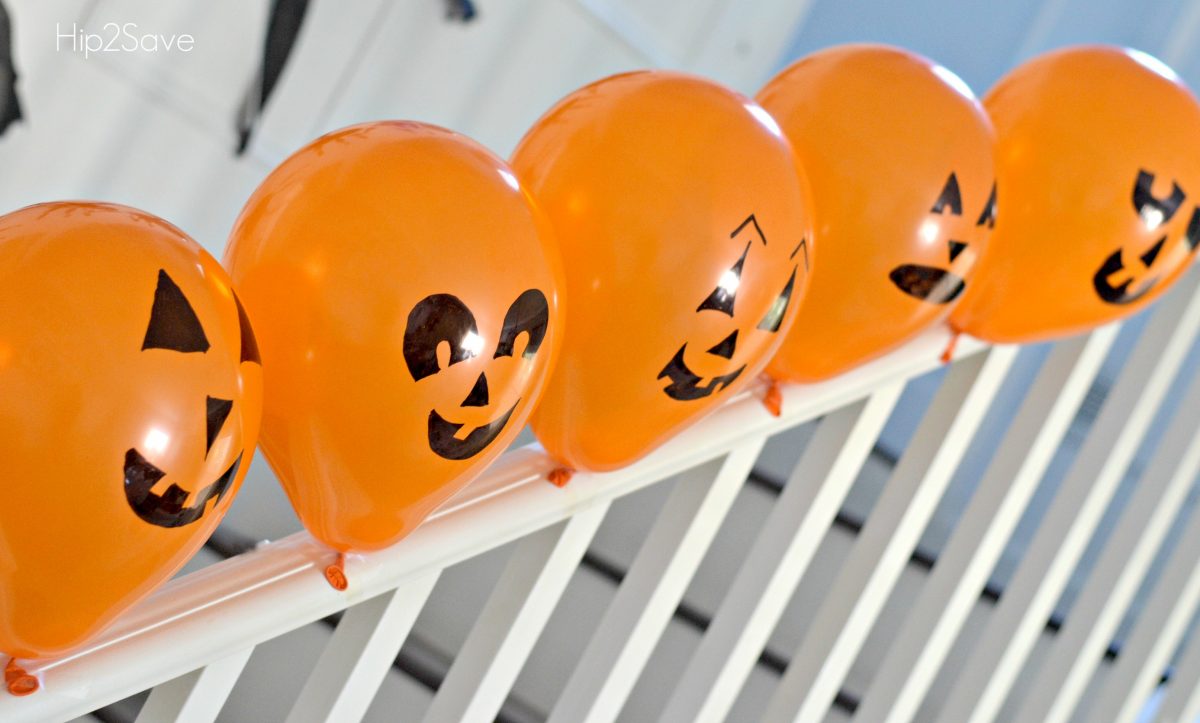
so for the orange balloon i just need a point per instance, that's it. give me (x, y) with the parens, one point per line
(131, 396)
(900, 156)
(686, 241)
(407, 291)
(1098, 160)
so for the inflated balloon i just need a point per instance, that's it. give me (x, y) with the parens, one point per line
(407, 294)
(900, 157)
(686, 241)
(130, 396)
(1098, 161)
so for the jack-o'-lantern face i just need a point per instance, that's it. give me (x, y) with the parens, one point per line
(442, 332)
(174, 327)
(406, 336)
(933, 284)
(132, 395)
(1126, 275)
(685, 384)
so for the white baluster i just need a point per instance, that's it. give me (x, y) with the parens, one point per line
(798, 521)
(888, 538)
(488, 663)
(358, 656)
(978, 539)
(195, 697)
(1079, 645)
(1023, 609)
(652, 589)
(1155, 635)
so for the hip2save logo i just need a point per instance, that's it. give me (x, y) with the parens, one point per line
(119, 38)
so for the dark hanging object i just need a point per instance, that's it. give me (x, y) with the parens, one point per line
(283, 27)
(462, 10)
(10, 105)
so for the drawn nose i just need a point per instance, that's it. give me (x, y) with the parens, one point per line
(479, 393)
(956, 248)
(1149, 257)
(726, 346)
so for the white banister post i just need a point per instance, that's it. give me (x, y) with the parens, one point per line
(652, 589)
(968, 557)
(1147, 650)
(1079, 645)
(195, 697)
(888, 538)
(1021, 614)
(365, 644)
(1182, 702)
(485, 668)
(759, 593)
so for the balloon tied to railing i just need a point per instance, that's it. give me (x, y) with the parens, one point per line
(560, 476)
(18, 681)
(406, 290)
(948, 352)
(10, 104)
(150, 439)
(773, 398)
(335, 573)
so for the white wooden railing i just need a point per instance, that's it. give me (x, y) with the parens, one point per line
(191, 640)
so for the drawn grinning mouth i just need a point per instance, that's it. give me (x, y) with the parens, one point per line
(927, 283)
(167, 509)
(685, 384)
(444, 442)
(1119, 294)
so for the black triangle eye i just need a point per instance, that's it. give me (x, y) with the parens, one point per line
(173, 323)
(949, 198)
(249, 342)
(1192, 236)
(721, 299)
(215, 413)
(988, 215)
(774, 318)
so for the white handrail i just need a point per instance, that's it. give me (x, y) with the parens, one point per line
(224, 609)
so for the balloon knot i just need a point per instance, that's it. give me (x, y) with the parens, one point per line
(335, 574)
(18, 680)
(948, 354)
(773, 399)
(560, 476)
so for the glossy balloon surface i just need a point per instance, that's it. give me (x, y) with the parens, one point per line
(131, 393)
(407, 292)
(899, 153)
(685, 230)
(1098, 161)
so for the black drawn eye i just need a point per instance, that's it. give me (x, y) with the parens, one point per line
(949, 198)
(1153, 210)
(435, 319)
(529, 313)
(988, 215)
(249, 351)
(173, 323)
(722, 297)
(774, 318)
